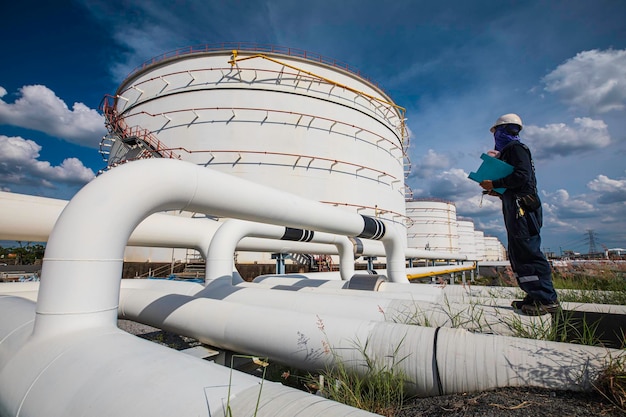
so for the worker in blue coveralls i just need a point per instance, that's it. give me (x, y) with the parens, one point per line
(523, 218)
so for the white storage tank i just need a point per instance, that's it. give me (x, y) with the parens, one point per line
(494, 250)
(479, 240)
(433, 225)
(277, 116)
(467, 243)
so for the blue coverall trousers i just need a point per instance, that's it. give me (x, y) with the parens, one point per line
(531, 268)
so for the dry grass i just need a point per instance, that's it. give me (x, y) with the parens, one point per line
(612, 384)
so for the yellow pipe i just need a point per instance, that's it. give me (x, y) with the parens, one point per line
(440, 272)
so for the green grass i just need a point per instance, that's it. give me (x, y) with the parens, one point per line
(601, 284)
(378, 387)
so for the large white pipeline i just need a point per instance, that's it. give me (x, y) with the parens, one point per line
(436, 360)
(220, 263)
(31, 218)
(103, 371)
(76, 311)
(416, 305)
(439, 313)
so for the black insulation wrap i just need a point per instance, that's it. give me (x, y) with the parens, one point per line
(298, 235)
(373, 228)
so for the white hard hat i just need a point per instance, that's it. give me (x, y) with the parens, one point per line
(506, 119)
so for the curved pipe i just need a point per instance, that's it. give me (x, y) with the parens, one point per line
(219, 255)
(76, 262)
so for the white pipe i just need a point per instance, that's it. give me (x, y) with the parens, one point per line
(219, 255)
(31, 218)
(28, 218)
(330, 279)
(80, 283)
(465, 361)
(103, 372)
(75, 315)
(373, 248)
(410, 308)
(75, 260)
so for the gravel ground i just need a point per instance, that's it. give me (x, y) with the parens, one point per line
(505, 402)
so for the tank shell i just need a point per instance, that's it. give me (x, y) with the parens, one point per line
(479, 240)
(494, 251)
(304, 126)
(467, 243)
(433, 225)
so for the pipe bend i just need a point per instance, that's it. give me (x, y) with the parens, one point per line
(83, 261)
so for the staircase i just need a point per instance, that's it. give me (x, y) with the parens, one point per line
(303, 259)
(124, 143)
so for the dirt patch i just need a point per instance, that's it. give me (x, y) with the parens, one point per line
(513, 402)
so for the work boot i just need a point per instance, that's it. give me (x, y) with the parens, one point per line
(539, 309)
(518, 304)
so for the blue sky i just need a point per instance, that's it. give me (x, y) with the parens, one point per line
(454, 65)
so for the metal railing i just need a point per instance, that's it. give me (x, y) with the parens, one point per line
(118, 126)
(253, 47)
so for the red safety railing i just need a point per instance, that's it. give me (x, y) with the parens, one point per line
(118, 126)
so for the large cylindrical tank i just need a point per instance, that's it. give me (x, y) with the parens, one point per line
(433, 225)
(467, 242)
(277, 116)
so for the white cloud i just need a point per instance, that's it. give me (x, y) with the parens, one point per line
(609, 190)
(450, 185)
(564, 206)
(40, 109)
(592, 80)
(429, 164)
(20, 166)
(561, 139)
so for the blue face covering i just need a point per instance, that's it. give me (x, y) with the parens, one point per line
(504, 135)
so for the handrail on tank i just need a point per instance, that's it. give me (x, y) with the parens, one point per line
(375, 209)
(236, 58)
(295, 52)
(401, 110)
(269, 110)
(252, 47)
(334, 161)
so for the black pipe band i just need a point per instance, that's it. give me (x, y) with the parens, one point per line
(373, 228)
(298, 235)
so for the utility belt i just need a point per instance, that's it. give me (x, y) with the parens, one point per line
(529, 202)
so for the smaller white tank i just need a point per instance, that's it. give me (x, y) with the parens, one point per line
(432, 225)
(479, 240)
(494, 250)
(467, 242)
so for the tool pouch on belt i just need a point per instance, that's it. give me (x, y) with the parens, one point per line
(529, 202)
